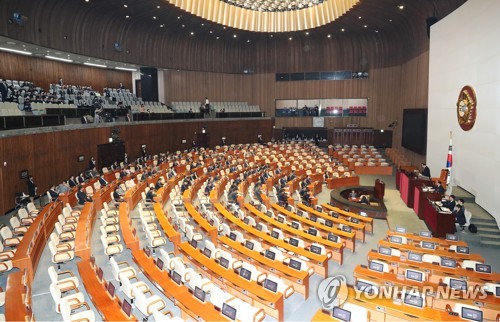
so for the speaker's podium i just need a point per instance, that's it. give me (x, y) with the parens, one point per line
(109, 153)
(203, 140)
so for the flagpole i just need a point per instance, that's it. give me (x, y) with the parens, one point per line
(449, 164)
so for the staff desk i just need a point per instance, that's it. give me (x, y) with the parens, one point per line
(416, 238)
(347, 238)
(436, 272)
(367, 221)
(299, 279)
(333, 250)
(172, 235)
(439, 252)
(382, 309)
(359, 229)
(490, 304)
(18, 298)
(178, 294)
(108, 307)
(246, 290)
(421, 194)
(315, 187)
(318, 262)
(440, 223)
(202, 222)
(84, 229)
(129, 236)
(333, 183)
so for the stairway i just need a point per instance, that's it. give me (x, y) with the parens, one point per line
(487, 228)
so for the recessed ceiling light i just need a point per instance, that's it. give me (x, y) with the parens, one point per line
(87, 0)
(376, 30)
(125, 6)
(158, 7)
(271, 36)
(127, 69)
(342, 29)
(192, 33)
(202, 24)
(154, 17)
(162, 25)
(15, 51)
(183, 26)
(401, 7)
(211, 31)
(127, 17)
(329, 36)
(224, 27)
(179, 17)
(359, 17)
(235, 36)
(218, 37)
(290, 38)
(248, 40)
(307, 33)
(390, 20)
(366, 26)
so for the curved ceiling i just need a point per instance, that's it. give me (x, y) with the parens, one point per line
(268, 16)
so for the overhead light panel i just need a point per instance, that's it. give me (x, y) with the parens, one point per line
(95, 65)
(16, 51)
(127, 69)
(59, 58)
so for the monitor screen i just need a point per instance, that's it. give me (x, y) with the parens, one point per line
(176, 277)
(315, 249)
(246, 220)
(414, 300)
(447, 262)
(451, 237)
(341, 314)
(269, 213)
(472, 314)
(111, 289)
(249, 244)
(364, 287)
(428, 245)
(207, 252)
(334, 214)
(295, 264)
(289, 208)
(497, 291)
(224, 262)
(270, 285)
(333, 238)
(328, 223)
(295, 225)
(281, 219)
(232, 236)
(294, 242)
(270, 254)
(396, 239)
(354, 220)
(458, 284)
(229, 311)
(401, 230)
(259, 227)
(415, 257)
(245, 273)
(362, 213)
(426, 234)
(199, 294)
(375, 266)
(100, 273)
(384, 251)
(159, 263)
(313, 218)
(147, 251)
(319, 208)
(275, 234)
(127, 308)
(414, 275)
(483, 268)
(462, 249)
(346, 228)
(302, 213)
(312, 231)
(194, 243)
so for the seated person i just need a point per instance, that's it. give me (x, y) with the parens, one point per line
(53, 193)
(364, 199)
(426, 172)
(459, 212)
(353, 194)
(102, 181)
(116, 195)
(82, 197)
(150, 195)
(63, 187)
(449, 202)
(440, 188)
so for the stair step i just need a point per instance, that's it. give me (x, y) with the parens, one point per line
(481, 224)
(483, 220)
(488, 242)
(485, 237)
(489, 231)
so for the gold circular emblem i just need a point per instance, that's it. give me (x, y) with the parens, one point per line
(466, 108)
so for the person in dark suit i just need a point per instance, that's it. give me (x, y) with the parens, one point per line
(440, 188)
(72, 182)
(426, 172)
(364, 200)
(82, 196)
(53, 193)
(150, 195)
(92, 163)
(450, 202)
(32, 187)
(459, 212)
(116, 195)
(103, 181)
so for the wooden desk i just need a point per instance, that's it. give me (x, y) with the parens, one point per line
(359, 229)
(442, 253)
(16, 308)
(315, 187)
(335, 249)
(248, 291)
(109, 308)
(438, 223)
(318, 262)
(416, 239)
(202, 222)
(347, 238)
(333, 183)
(178, 294)
(103, 195)
(83, 233)
(421, 194)
(374, 170)
(367, 221)
(172, 235)
(129, 237)
(299, 279)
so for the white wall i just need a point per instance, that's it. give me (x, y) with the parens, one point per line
(465, 50)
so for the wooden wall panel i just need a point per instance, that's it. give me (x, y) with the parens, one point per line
(42, 72)
(52, 157)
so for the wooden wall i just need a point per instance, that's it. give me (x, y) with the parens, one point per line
(52, 157)
(43, 72)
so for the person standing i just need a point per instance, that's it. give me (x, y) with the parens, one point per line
(32, 188)
(207, 105)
